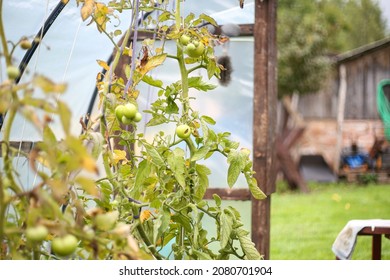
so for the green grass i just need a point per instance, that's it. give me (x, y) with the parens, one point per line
(304, 226)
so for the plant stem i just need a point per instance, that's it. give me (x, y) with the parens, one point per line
(2, 215)
(195, 68)
(3, 38)
(180, 59)
(144, 237)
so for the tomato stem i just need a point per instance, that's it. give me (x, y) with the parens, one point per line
(3, 38)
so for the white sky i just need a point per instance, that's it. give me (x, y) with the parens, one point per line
(385, 4)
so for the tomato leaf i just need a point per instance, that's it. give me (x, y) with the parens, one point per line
(165, 16)
(201, 255)
(150, 81)
(152, 63)
(119, 155)
(212, 68)
(189, 18)
(176, 163)
(247, 245)
(49, 136)
(203, 172)
(226, 228)
(254, 188)
(88, 185)
(208, 19)
(154, 155)
(103, 64)
(199, 84)
(235, 167)
(200, 153)
(87, 9)
(208, 120)
(162, 223)
(65, 116)
(217, 199)
(142, 174)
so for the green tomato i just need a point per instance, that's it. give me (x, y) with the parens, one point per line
(64, 246)
(119, 111)
(185, 39)
(106, 221)
(194, 50)
(125, 120)
(25, 44)
(190, 48)
(130, 111)
(138, 117)
(13, 72)
(36, 234)
(183, 131)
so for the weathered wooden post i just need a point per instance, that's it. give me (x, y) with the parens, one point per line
(264, 118)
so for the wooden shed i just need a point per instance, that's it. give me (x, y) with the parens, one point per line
(344, 111)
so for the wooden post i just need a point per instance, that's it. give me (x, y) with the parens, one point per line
(340, 115)
(264, 119)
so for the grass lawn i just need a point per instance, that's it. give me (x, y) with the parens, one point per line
(304, 226)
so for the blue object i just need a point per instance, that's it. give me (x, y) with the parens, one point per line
(355, 161)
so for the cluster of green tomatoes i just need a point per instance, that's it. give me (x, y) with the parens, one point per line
(192, 47)
(60, 245)
(127, 113)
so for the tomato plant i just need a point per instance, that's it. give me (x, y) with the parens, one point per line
(149, 203)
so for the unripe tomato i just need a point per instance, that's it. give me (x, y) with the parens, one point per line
(185, 39)
(138, 117)
(183, 131)
(25, 44)
(36, 234)
(119, 111)
(195, 49)
(125, 120)
(130, 111)
(190, 48)
(64, 246)
(106, 221)
(13, 72)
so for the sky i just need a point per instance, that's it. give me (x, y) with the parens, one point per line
(385, 4)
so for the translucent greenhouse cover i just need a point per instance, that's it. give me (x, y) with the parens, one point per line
(70, 49)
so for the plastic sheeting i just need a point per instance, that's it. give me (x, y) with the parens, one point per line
(70, 49)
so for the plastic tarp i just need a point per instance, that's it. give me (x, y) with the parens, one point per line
(70, 49)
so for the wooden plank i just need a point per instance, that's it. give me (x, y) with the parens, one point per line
(340, 115)
(228, 194)
(245, 30)
(264, 119)
(23, 146)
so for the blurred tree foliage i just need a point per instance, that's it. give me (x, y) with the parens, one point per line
(311, 32)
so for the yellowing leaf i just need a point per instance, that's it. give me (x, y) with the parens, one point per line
(119, 155)
(103, 64)
(101, 18)
(152, 63)
(88, 185)
(145, 215)
(89, 164)
(65, 116)
(48, 86)
(87, 9)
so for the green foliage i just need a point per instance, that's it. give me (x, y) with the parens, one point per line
(148, 203)
(311, 32)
